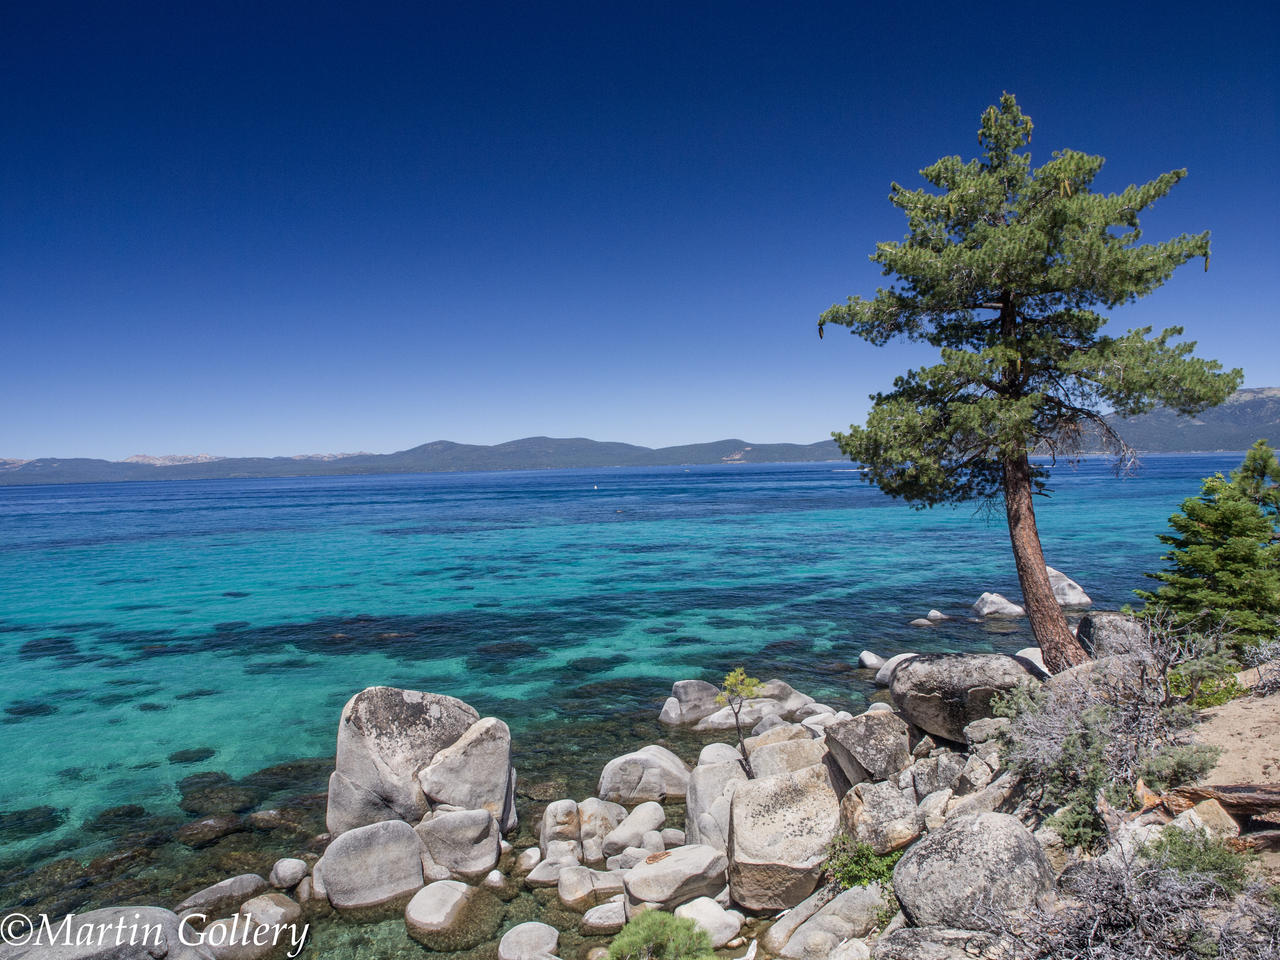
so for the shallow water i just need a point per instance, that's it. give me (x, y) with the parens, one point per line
(232, 619)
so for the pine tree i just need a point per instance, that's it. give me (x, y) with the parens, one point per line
(1224, 569)
(1008, 271)
(1259, 478)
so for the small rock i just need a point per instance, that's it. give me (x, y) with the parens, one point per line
(870, 661)
(287, 873)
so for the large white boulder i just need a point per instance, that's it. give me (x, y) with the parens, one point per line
(373, 867)
(650, 773)
(475, 773)
(706, 818)
(677, 876)
(784, 757)
(385, 737)
(690, 701)
(778, 836)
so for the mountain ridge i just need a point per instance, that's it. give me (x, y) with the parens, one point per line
(1246, 416)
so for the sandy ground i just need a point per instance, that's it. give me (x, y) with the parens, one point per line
(1248, 731)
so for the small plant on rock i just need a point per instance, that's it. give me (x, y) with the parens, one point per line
(654, 935)
(737, 689)
(851, 863)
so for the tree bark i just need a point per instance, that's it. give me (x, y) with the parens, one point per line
(1058, 644)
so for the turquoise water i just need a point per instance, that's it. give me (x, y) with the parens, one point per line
(137, 620)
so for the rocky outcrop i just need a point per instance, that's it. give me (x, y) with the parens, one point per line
(690, 701)
(650, 773)
(779, 832)
(385, 737)
(884, 673)
(707, 805)
(786, 756)
(475, 773)
(971, 860)
(850, 915)
(374, 867)
(629, 833)
(943, 692)
(596, 820)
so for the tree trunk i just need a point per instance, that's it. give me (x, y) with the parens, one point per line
(1058, 644)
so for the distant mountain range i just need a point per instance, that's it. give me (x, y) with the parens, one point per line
(1246, 416)
(442, 456)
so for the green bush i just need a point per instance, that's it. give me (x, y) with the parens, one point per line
(1206, 682)
(850, 863)
(1194, 854)
(1175, 766)
(654, 935)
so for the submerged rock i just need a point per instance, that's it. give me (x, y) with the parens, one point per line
(448, 915)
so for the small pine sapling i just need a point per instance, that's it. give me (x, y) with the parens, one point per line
(736, 690)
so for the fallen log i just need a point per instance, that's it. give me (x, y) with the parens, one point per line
(1257, 841)
(1238, 799)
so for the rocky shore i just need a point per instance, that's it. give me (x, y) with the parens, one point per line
(430, 835)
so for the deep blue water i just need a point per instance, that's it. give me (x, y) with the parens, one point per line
(137, 620)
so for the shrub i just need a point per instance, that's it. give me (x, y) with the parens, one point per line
(1118, 908)
(851, 863)
(1095, 734)
(654, 935)
(1193, 854)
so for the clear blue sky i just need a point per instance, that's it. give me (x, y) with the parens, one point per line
(252, 228)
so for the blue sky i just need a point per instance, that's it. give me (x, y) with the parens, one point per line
(268, 229)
